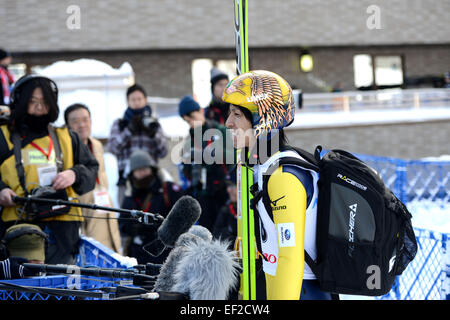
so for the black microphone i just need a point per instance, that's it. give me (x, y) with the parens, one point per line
(185, 212)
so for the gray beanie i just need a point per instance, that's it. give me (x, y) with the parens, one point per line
(141, 159)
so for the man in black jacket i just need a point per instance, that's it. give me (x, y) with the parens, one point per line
(207, 160)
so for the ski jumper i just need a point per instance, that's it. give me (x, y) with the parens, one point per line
(287, 225)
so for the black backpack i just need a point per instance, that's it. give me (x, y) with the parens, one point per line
(364, 233)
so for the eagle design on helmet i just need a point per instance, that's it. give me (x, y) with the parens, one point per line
(266, 95)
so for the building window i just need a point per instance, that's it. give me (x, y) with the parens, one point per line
(388, 71)
(377, 71)
(363, 70)
(200, 80)
(201, 76)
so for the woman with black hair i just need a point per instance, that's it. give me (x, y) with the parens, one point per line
(261, 105)
(52, 159)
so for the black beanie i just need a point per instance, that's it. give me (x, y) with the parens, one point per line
(216, 76)
(4, 54)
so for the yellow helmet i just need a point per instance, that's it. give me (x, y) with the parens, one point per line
(266, 95)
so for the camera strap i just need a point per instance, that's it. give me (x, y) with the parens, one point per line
(17, 147)
(56, 145)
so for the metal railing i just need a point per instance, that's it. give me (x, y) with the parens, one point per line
(343, 101)
(374, 99)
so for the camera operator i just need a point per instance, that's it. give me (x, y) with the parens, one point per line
(207, 181)
(36, 158)
(138, 129)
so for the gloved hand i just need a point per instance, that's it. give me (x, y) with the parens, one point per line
(150, 125)
(135, 125)
(12, 268)
(122, 124)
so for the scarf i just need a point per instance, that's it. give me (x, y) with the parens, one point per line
(130, 113)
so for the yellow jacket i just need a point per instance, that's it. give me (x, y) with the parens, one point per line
(75, 156)
(289, 228)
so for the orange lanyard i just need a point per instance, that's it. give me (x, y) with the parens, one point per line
(50, 148)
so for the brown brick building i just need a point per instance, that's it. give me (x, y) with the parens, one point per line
(161, 39)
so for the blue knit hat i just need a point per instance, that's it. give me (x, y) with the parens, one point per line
(187, 105)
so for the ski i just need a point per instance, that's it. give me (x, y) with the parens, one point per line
(245, 242)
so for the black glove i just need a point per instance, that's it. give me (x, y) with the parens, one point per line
(135, 126)
(12, 268)
(150, 125)
(122, 124)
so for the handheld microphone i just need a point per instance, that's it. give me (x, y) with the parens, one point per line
(185, 212)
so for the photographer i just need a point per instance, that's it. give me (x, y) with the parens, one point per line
(38, 159)
(148, 190)
(136, 130)
(207, 181)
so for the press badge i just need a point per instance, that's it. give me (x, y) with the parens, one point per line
(46, 175)
(101, 198)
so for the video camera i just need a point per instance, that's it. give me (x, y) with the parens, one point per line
(39, 210)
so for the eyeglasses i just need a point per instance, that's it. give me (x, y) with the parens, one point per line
(78, 121)
(36, 102)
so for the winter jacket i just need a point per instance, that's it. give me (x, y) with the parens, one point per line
(6, 80)
(217, 110)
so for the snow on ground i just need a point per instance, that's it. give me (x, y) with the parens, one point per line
(174, 126)
(430, 215)
(84, 67)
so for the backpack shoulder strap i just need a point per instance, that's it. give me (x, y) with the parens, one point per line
(57, 146)
(312, 158)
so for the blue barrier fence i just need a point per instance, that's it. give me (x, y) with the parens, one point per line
(420, 183)
(414, 180)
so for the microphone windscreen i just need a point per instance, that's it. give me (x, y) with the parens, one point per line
(185, 212)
